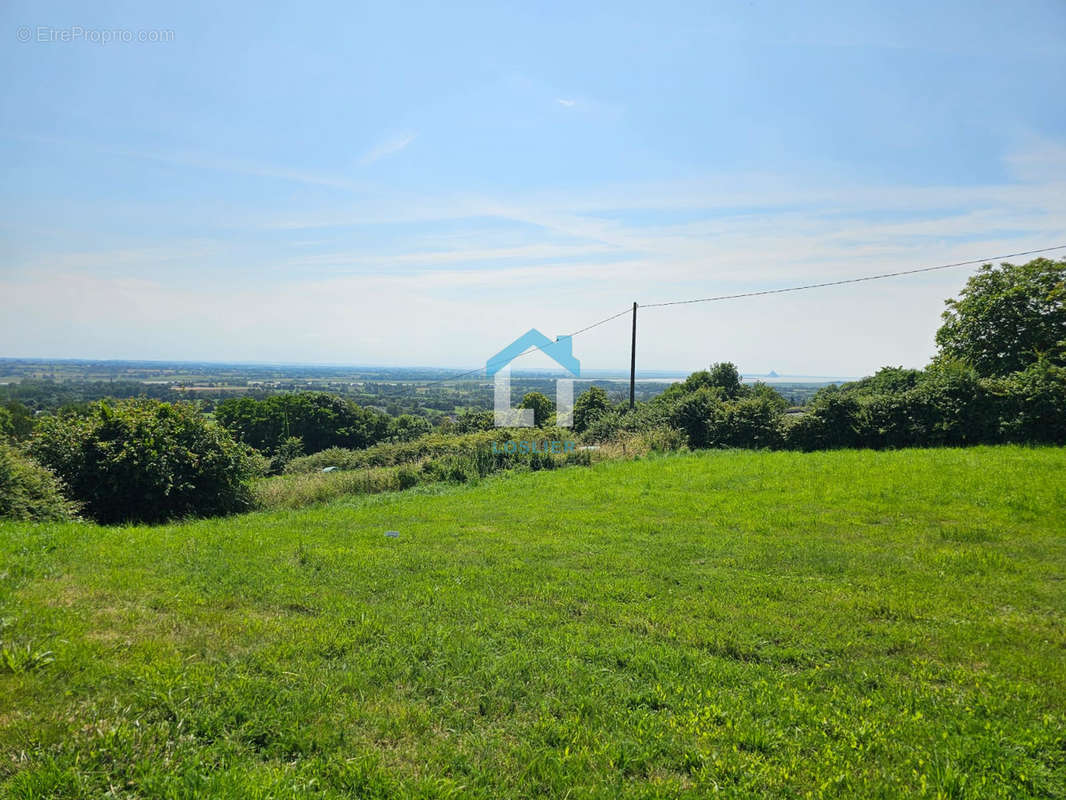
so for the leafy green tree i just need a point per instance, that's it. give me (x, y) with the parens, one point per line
(142, 460)
(7, 424)
(407, 427)
(1006, 317)
(472, 421)
(693, 415)
(726, 377)
(887, 380)
(291, 448)
(21, 419)
(751, 422)
(832, 422)
(590, 406)
(543, 408)
(768, 393)
(320, 419)
(1032, 404)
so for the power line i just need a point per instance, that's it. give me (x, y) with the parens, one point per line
(763, 292)
(852, 280)
(536, 349)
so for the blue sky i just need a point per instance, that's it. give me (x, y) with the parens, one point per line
(419, 184)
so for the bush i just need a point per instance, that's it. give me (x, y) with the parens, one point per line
(1032, 404)
(831, 423)
(321, 420)
(146, 461)
(406, 477)
(290, 449)
(753, 422)
(30, 492)
(407, 427)
(693, 413)
(590, 406)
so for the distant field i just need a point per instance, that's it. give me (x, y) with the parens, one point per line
(844, 624)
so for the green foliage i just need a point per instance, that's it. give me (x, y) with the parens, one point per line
(21, 419)
(146, 461)
(590, 406)
(767, 393)
(319, 419)
(887, 380)
(473, 421)
(830, 423)
(388, 454)
(852, 624)
(408, 427)
(1006, 317)
(28, 491)
(726, 377)
(543, 408)
(290, 449)
(693, 414)
(752, 422)
(1032, 404)
(7, 424)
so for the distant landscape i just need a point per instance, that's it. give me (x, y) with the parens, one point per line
(45, 385)
(506, 401)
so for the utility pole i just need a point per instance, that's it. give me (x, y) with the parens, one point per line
(633, 362)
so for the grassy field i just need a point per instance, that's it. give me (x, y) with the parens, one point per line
(849, 624)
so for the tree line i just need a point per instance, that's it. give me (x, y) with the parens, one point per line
(999, 376)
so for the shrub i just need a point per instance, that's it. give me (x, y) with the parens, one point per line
(543, 408)
(408, 427)
(693, 413)
(290, 448)
(590, 406)
(321, 420)
(145, 461)
(28, 491)
(831, 423)
(1032, 404)
(406, 477)
(753, 422)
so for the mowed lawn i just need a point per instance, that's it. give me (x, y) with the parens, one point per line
(846, 624)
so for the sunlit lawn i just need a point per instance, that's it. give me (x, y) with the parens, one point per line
(850, 624)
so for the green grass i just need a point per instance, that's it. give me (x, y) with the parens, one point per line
(849, 624)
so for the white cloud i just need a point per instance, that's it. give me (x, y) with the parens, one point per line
(449, 292)
(388, 147)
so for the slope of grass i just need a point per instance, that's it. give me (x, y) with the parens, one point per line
(848, 624)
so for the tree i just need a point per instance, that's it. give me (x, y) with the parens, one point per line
(726, 377)
(407, 427)
(543, 408)
(20, 418)
(752, 422)
(590, 406)
(145, 461)
(320, 419)
(470, 421)
(1006, 317)
(693, 415)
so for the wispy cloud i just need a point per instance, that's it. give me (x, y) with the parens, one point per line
(388, 147)
(565, 103)
(199, 160)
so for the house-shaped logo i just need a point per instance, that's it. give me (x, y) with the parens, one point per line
(499, 368)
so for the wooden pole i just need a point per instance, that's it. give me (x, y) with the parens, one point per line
(633, 362)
